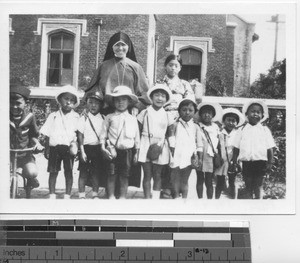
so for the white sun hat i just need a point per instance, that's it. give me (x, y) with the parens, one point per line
(234, 111)
(160, 87)
(121, 91)
(216, 106)
(68, 89)
(188, 98)
(259, 102)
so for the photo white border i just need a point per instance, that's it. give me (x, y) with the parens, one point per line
(185, 207)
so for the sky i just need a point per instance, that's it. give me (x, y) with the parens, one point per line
(263, 48)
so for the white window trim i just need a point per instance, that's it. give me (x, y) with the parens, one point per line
(204, 44)
(11, 32)
(46, 27)
(42, 21)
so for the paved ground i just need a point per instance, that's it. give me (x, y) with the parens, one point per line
(43, 191)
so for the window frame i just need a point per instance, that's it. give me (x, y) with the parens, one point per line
(61, 52)
(45, 28)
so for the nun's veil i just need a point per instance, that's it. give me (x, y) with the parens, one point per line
(120, 36)
(109, 54)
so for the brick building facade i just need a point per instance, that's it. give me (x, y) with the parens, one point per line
(216, 49)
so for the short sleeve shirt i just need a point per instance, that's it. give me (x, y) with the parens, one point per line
(121, 129)
(158, 124)
(61, 128)
(84, 127)
(253, 141)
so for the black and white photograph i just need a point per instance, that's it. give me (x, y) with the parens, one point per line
(147, 108)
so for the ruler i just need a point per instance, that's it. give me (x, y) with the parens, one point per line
(101, 241)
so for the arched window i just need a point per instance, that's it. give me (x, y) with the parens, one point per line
(191, 64)
(60, 59)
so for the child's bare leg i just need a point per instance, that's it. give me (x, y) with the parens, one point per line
(157, 170)
(231, 182)
(175, 179)
(111, 180)
(199, 186)
(52, 182)
(219, 185)
(147, 168)
(95, 182)
(69, 181)
(209, 185)
(123, 186)
(30, 172)
(258, 187)
(184, 181)
(249, 186)
(82, 181)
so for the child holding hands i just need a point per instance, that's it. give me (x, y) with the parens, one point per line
(120, 132)
(155, 124)
(61, 140)
(253, 145)
(188, 141)
(89, 128)
(231, 119)
(208, 112)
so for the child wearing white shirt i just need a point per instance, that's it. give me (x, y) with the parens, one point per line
(91, 161)
(155, 124)
(232, 118)
(188, 141)
(208, 113)
(120, 131)
(253, 145)
(60, 130)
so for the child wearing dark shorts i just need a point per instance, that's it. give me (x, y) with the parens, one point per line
(121, 133)
(91, 161)
(231, 119)
(23, 134)
(253, 146)
(61, 140)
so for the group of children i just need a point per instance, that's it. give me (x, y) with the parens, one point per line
(109, 146)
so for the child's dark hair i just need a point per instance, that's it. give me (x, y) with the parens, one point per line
(207, 107)
(173, 57)
(232, 115)
(257, 104)
(186, 103)
(159, 90)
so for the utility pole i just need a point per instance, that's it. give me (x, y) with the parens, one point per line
(275, 19)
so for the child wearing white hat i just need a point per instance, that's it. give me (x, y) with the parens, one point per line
(209, 113)
(253, 145)
(155, 124)
(120, 132)
(231, 119)
(90, 158)
(61, 140)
